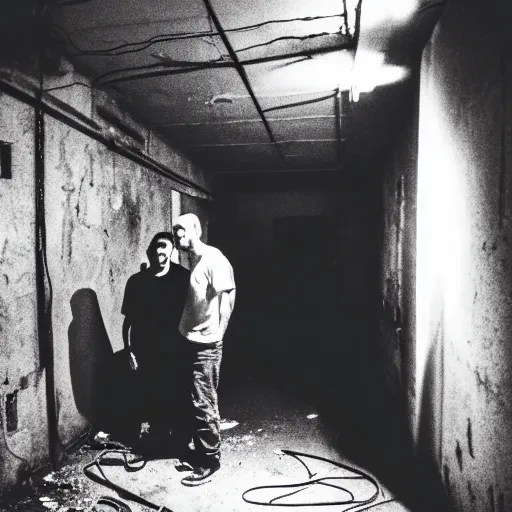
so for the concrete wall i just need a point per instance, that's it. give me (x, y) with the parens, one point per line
(101, 210)
(462, 364)
(25, 447)
(464, 252)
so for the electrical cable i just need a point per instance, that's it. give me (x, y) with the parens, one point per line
(301, 103)
(359, 475)
(191, 65)
(137, 463)
(102, 479)
(118, 505)
(146, 43)
(113, 51)
(72, 84)
(209, 65)
(285, 38)
(44, 288)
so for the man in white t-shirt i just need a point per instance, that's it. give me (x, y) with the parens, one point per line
(208, 308)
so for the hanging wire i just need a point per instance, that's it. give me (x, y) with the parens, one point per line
(72, 84)
(285, 38)
(142, 45)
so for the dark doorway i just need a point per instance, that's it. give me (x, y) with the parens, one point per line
(306, 299)
(306, 275)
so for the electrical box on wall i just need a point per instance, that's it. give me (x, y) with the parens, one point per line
(5, 160)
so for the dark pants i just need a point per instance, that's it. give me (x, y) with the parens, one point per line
(205, 371)
(164, 389)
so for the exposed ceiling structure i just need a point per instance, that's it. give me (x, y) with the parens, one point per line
(239, 86)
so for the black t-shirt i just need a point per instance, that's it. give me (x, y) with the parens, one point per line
(154, 305)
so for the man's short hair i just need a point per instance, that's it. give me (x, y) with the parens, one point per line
(163, 235)
(190, 220)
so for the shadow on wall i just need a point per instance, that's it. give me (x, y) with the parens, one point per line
(370, 423)
(430, 424)
(101, 380)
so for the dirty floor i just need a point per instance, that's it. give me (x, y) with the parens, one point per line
(259, 421)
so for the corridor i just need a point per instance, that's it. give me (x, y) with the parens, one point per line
(347, 263)
(261, 418)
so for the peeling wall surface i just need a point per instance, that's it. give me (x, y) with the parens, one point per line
(23, 447)
(464, 255)
(101, 211)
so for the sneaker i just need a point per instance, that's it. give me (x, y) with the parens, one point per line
(201, 475)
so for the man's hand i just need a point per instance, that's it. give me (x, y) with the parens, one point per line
(133, 362)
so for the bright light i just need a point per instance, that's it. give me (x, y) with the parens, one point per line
(370, 71)
(401, 9)
(443, 291)
(302, 76)
(377, 12)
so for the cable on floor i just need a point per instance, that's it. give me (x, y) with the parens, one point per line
(111, 457)
(136, 463)
(301, 486)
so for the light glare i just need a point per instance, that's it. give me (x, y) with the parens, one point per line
(370, 71)
(378, 12)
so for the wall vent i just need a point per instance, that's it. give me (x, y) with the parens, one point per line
(11, 411)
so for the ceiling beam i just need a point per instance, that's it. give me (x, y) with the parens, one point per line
(245, 144)
(274, 171)
(337, 109)
(242, 73)
(247, 121)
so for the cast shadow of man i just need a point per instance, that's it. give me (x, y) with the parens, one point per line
(102, 382)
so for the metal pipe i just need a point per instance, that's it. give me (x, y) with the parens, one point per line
(68, 120)
(43, 282)
(338, 109)
(190, 68)
(242, 73)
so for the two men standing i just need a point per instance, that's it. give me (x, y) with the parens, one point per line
(184, 328)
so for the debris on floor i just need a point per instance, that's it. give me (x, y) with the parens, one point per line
(228, 424)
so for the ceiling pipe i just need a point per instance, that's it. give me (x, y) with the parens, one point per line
(44, 292)
(95, 133)
(188, 67)
(337, 109)
(243, 75)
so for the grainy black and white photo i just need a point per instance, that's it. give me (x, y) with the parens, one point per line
(255, 255)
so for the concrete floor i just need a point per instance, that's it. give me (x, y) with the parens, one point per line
(269, 419)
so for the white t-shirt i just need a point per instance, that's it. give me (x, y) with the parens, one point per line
(211, 275)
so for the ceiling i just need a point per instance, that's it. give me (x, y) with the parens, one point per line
(253, 85)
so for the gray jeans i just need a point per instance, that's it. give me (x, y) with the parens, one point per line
(206, 369)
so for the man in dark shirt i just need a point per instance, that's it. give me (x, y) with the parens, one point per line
(153, 303)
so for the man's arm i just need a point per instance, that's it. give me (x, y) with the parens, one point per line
(126, 333)
(126, 340)
(226, 306)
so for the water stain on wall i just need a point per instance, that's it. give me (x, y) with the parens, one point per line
(490, 499)
(446, 476)
(458, 454)
(470, 439)
(472, 496)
